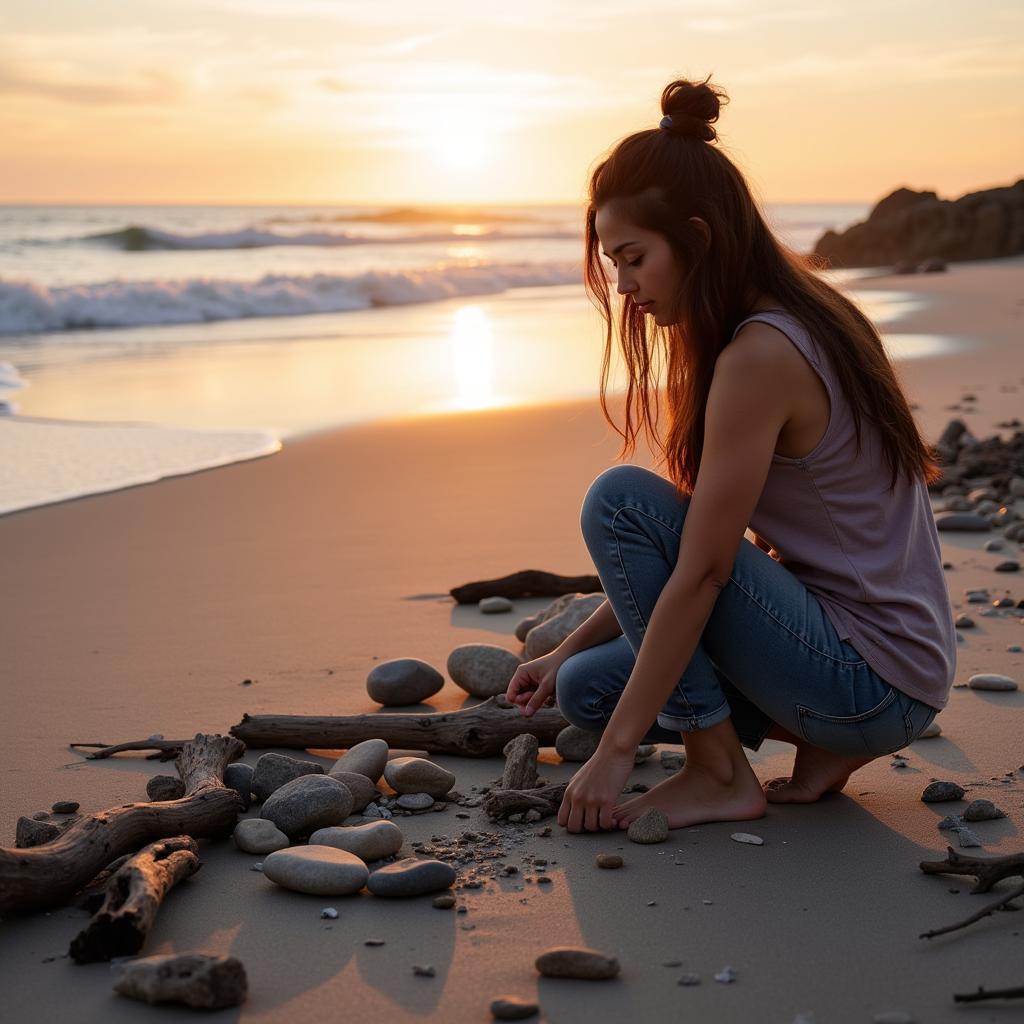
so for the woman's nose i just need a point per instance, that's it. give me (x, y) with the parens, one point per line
(624, 287)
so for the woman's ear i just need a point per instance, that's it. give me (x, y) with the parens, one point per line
(702, 225)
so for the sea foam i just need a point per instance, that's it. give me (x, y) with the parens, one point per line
(28, 307)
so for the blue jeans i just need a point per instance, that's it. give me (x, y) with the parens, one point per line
(767, 654)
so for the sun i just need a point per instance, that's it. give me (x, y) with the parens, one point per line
(459, 147)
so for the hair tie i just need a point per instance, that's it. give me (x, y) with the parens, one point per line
(666, 121)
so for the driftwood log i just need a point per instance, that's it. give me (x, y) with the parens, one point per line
(133, 897)
(986, 871)
(520, 790)
(478, 731)
(48, 875)
(546, 800)
(526, 583)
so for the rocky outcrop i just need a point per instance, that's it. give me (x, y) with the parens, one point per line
(912, 228)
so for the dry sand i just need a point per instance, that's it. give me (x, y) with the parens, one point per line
(142, 611)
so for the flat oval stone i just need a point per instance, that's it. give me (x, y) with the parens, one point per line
(65, 807)
(512, 1007)
(483, 670)
(403, 681)
(274, 770)
(373, 841)
(609, 860)
(746, 837)
(650, 827)
(316, 870)
(577, 962)
(991, 681)
(411, 876)
(494, 605)
(962, 522)
(940, 792)
(418, 775)
(257, 835)
(361, 788)
(305, 804)
(367, 758)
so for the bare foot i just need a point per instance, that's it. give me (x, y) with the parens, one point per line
(815, 772)
(692, 796)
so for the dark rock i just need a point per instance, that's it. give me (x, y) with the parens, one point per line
(65, 807)
(165, 787)
(962, 522)
(194, 979)
(29, 833)
(274, 770)
(238, 776)
(918, 227)
(982, 810)
(577, 962)
(940, 792)
(512, 1008)
(403, 681)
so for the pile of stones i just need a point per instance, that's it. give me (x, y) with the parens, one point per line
(980, 481)
(302, 801)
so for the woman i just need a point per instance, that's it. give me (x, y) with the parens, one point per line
(832, 629)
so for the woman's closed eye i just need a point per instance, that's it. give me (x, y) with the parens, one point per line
(633, 263)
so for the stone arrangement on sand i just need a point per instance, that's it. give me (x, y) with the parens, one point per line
(336, 832)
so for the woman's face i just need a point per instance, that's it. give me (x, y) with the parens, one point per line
(646, 268)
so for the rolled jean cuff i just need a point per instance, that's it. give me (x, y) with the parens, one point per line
(720, 714)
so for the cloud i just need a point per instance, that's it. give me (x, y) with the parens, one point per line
(141, 88)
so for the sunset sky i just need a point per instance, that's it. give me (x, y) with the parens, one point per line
(404, 101)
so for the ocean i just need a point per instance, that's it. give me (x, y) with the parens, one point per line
(138, 342)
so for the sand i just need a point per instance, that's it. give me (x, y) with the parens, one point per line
(142, 611)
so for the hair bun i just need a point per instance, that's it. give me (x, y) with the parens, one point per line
(693, 108)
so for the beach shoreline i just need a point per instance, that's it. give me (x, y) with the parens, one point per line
(143, 611)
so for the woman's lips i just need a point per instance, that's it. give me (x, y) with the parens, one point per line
(645, 305)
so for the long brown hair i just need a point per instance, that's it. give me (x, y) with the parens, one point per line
(659, 178)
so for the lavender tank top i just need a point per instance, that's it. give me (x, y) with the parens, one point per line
(870, 557)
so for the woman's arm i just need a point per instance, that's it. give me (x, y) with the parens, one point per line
(600, 627)
(748, 405)
(751, 375)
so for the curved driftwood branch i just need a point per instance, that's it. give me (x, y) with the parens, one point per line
(134, 894)
(47, 875)
(526, 583)
(992, 993)
(478, 731)
(987, 871)
(165, 749)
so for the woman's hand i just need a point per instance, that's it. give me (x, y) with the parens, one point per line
(590, 797)
(534, 682)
